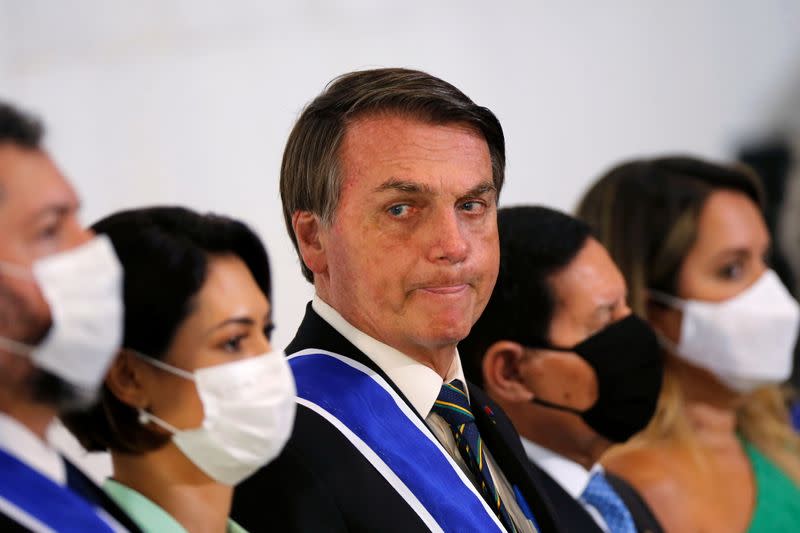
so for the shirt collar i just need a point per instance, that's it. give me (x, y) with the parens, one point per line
(147, 514)
(573, 477)
(26, 446)
(419, 383)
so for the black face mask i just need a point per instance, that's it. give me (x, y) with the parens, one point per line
(626, 358)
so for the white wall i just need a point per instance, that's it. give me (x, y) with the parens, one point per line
(190, 102)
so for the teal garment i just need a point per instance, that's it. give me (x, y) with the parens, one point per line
(777, 496)
(148, 515)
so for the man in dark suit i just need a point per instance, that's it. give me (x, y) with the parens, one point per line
(558, 349)
(38, 215)
(389, 185)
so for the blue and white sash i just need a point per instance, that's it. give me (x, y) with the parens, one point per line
(42, 505)
(371, 415)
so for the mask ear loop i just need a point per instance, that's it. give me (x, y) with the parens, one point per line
(17, 271)
(544, 403)
(20, 272)
(147, 417)
(163, 366)
(666, 299)
(559, 407)
(15, 347)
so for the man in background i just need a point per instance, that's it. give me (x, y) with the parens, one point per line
(559, 350)
(60, 325)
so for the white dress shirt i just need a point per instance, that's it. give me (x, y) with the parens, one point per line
(421, 385)
(19, 441)
(572, 477)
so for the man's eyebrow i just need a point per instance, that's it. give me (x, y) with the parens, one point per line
(395, 184)
(59, 210)
(481, 189)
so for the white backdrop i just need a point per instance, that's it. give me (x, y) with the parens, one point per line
(189, 102)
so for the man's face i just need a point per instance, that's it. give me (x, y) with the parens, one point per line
(589, 295)
(38, 218)
(412, 254)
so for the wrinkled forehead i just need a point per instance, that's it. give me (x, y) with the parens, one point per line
(590, 282)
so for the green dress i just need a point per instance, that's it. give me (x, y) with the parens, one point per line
(777, 496)
(147, 514)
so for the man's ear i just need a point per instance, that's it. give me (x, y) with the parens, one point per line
(501, 374)
(307, 230)
(125, 379)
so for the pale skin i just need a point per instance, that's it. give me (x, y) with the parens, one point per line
(590, 295)
(229, 322)
(38, 214)
(412, 253)
(718, 493)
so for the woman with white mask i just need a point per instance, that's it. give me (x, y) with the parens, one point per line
(690, 238)
(196, 401)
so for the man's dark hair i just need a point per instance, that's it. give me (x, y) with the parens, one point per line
(535, 243)
(19, 128)
(311, 177)
(164, 252)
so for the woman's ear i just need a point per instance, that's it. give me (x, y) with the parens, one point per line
(125, 379)
(501, 375)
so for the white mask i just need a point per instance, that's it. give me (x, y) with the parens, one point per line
(249, 408)
(746, 341)
(83, 289)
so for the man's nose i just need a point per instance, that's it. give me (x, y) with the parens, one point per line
(448, 240)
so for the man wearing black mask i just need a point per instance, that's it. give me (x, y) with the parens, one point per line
(559, 350)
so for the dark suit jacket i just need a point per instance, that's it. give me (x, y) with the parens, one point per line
(321, 482)
(572, 515)
(83, 486)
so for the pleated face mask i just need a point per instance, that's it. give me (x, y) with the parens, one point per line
(249, 408)
(83, 289)
(746, 341)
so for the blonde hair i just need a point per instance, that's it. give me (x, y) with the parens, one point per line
(646, 213)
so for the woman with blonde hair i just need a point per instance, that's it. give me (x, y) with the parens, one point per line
(690, 238)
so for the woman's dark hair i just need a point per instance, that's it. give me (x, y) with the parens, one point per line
(164, 252)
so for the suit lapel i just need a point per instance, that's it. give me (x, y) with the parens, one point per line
(315, 332)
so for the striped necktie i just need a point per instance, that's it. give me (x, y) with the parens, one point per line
(453, 406)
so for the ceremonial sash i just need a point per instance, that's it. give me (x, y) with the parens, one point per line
(40, 504)
(373, 417)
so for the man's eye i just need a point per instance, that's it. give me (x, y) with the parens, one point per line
(399, 210)
(473, 206)
(49, 232)
(268, 329)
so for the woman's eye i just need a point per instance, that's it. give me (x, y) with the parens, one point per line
(268, 329)
(234, 344)
(732, 271)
